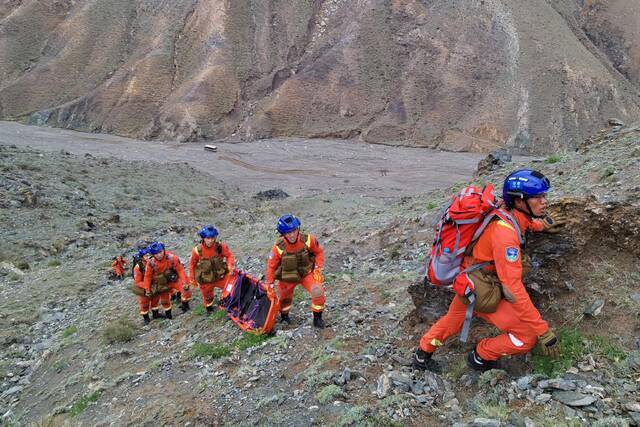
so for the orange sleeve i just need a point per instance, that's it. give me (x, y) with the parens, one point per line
(177, 265)
(138, 278)
(226, 253)
(114, 264)
(193, 261)
(508, 261)
(536, 225)
(318, 251)
(148, 275)
(272, 264)
(124, 262)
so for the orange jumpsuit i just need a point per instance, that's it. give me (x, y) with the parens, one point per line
(520, 322)
(208, 289)
(146, 303)
(313, 286)
(118, 266)
(154, 267)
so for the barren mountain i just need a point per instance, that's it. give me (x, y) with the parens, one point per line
(532, 75)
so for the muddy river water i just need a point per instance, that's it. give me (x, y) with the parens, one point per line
(297, 166)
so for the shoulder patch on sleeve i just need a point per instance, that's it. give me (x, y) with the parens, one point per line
(512, 254)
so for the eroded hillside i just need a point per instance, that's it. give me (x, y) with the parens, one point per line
(536, 76)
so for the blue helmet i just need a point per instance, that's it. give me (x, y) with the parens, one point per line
(208, 231)
(142, 252)
(155, 248)
(523, 184)
(288, 223)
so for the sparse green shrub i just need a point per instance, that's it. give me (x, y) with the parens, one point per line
(53, 263)
(611, 422)
(82, 404)
(120, 331)
(199, 310)
(610, 170)
(329, 393)
(353, 416)
(59, 365)
(497, 411)
(28, 167)
(432, 205)
(572, 349)
(14, 277)
(607, 347)
(70, 330)
(299, 294)
(217, 316)
(22, 265)
(262, 403)
(250, 339)
(382, 421)
(554, 158)
(214, 351)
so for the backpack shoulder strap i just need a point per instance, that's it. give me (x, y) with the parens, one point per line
(280, 245)
(306, 238)
(199, 250)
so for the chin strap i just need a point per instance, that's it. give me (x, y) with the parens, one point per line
(529, 212)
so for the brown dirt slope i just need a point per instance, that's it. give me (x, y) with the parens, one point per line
(534, 76)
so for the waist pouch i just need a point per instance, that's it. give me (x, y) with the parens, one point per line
(488, 291)
(137, 290)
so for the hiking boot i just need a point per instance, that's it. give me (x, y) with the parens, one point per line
(145, 318)
(317, 320)
(155, 314)
(167, 314)
(209, 309)
(284, 318)
(422, 360)
(479, 364)
(184, 306)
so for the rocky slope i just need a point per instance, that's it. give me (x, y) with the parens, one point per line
(536, 76)
(75, 351)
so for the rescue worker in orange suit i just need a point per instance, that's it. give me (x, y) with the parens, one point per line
(138, 280)
(210, 265)
(297, 259)
(162, 273)
(522, 326)
(118, 267)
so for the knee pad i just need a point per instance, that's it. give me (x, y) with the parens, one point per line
(317, 291)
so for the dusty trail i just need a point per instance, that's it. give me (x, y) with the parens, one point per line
(298, 166)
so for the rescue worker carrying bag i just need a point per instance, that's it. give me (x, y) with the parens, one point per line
(294, 266)
(209, 270)
(160, 282)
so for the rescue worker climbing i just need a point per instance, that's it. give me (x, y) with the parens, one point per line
(499, 246)
(210, 265)
(297, 259)
(117, 266)
(163, 272)
(146, 302)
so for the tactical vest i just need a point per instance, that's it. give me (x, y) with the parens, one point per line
(160, 282)
(211, 269)
(294, 266)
